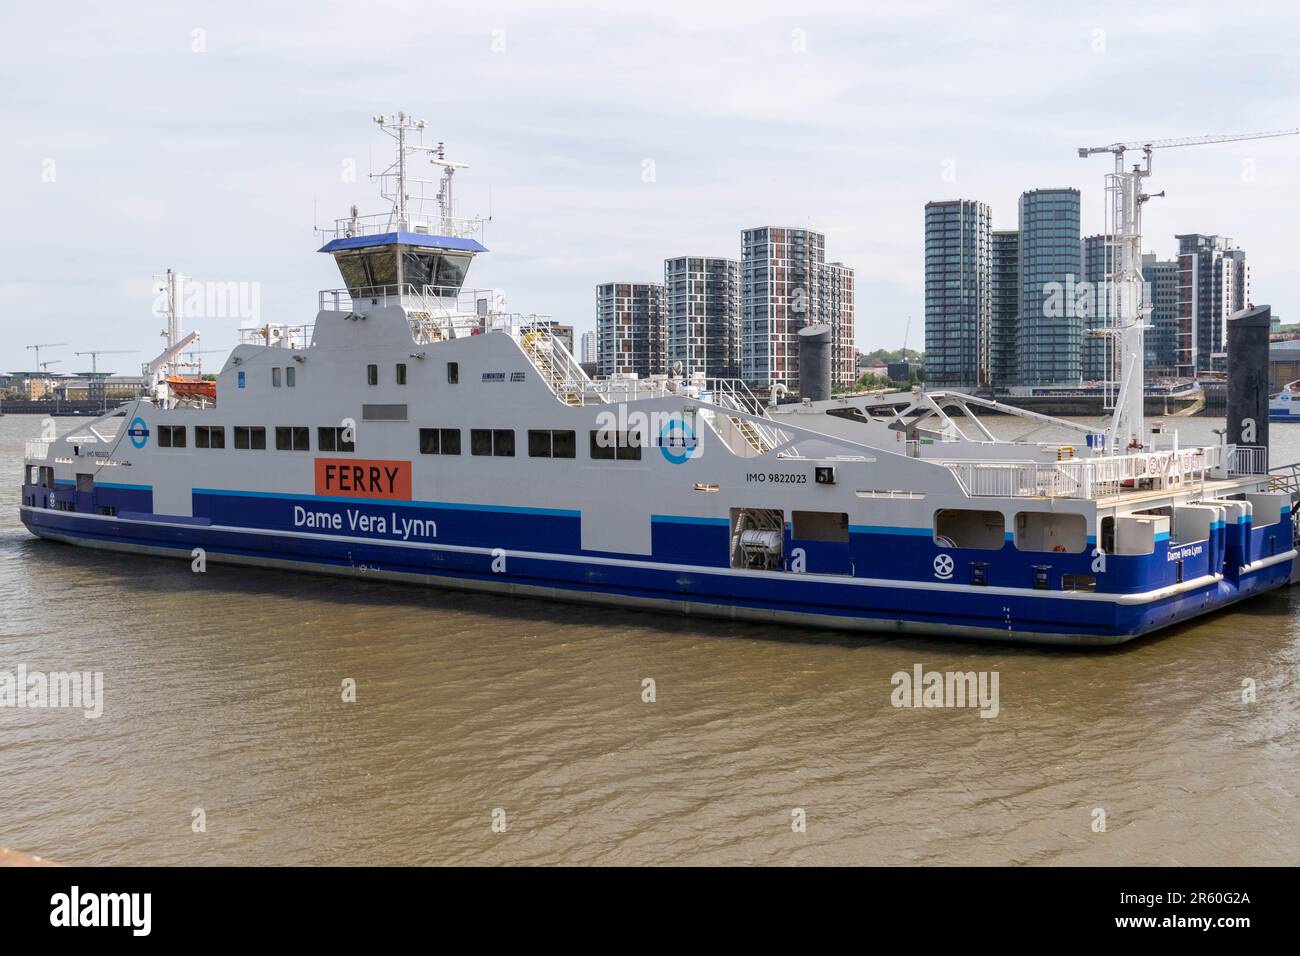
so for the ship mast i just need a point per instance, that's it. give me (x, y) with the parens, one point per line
(1127, 312)
(396, 181)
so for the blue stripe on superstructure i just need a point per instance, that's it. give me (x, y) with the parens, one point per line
(406, 239)
(888, 529)
(121, 486)
(690, 519)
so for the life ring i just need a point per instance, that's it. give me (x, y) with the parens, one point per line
(1152, 465)
(1059, 547)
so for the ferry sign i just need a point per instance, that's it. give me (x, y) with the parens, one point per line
(363, 478)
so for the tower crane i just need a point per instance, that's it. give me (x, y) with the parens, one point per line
(45, 366)
(44, 345)
(95, 353)
(1126, 312)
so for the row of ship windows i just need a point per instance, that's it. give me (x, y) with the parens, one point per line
(498, 442)
(287, 376)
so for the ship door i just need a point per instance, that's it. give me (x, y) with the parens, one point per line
(819, 542)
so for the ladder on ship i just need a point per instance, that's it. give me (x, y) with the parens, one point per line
(730, 395)
(540, 349)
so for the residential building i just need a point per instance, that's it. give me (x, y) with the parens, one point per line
(630, 336)
(588, 356)
(958, 294)
(702, 315)
(1214, 282)
(837, 311)
(785, 284)
(1005, 307)
(1093, 301)
(1049, 330)
(1160, 282)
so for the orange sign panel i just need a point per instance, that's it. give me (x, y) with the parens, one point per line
(363, 478)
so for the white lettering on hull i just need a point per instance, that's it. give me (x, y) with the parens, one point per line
(393, 524)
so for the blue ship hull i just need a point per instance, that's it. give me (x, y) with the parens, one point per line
(878, 582)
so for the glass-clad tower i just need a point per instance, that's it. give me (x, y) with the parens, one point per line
(958, 294)
(1049, 336)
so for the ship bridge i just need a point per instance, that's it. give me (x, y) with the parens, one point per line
(418, 252)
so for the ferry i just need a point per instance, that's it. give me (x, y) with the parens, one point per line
(418, 431)
(1285, 405)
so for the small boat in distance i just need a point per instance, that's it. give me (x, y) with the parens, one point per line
(1285, 405)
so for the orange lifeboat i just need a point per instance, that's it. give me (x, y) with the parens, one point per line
(192, 387)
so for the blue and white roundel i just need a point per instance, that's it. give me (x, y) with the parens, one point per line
(677, 441)
(139, 432)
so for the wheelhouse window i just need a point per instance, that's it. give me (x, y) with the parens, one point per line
(292, 438)
(607, 445)
(252, 437)
(372, 374)
(401, 373)
(171, 436)
(439, 441)
(275, 377)
(453, 373)
(367, 271)
(334, 439)
(209, 436)
(548, 443)
(498, 442)
(290, 376)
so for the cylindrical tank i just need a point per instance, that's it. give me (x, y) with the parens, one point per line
(815, 362)
(1248, 376)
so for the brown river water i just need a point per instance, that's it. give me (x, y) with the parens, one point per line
(222, 694)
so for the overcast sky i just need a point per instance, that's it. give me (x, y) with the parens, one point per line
(208, 137)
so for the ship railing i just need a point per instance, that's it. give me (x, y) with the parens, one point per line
(277, 336)
(1089, 477)
(1248, 460)
(442, 299)
(37, 449)
(379, 224)
(736, 395)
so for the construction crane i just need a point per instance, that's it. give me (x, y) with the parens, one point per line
(1125, 311)
(45, 366)
(44, 345)
(95, 353)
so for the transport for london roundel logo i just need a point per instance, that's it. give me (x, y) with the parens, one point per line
(677, 441)
(139, 432)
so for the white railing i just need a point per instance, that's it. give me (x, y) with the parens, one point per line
(277, 336)
(37, 449)
(736, 395)
(1248, 460)
(1091, 477)
(379, 224)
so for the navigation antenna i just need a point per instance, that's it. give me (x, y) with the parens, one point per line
(1126, 312)
(396, 182)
